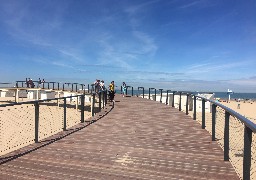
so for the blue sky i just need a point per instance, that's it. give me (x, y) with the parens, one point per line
(196, 45)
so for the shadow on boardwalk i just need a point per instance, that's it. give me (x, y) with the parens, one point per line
(138, 139)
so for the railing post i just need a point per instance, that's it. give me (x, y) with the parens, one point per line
(149, 93)
(106, 97)
(82, 108)
(36, 122)
(180, 102)
(53, 85)
(161, 95)
(173, 95)
(88, 88)
(63, 88)
(194, 115)
(247, 152)
(58, 86)
(65, 114)
(226, 137)
(93, 103)
(187, 104)
(155, 94)
(166, 100)
(203, 113)
(132, 91)
(99, 101)
(213, 121)
(103, 99)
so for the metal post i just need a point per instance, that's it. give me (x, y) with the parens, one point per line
(76, 87)
(213, 121)
(48, 85)
(187, 104)
(82, 108)
(161, 95)
(149, 93)
(53, 85)
(167, 97)
(173, 95)
(63, 88)
(247, 152)
(103, 99)
(36, 122)
(155, 94)
(106, 97)
(72, 87)
(226, 137)
(203, 113)
(99, 101)
(58, 86)
(180, 102)
(132, 91)
(194, 115)
(65, 114)
(93, 103)
(88, 88)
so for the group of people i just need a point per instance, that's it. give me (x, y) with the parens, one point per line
(99, 86)
(31, 84)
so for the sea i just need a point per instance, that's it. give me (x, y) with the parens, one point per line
(221, 95)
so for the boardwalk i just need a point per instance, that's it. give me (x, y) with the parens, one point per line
(137, 139)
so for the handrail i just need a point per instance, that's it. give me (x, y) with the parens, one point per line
(246, 121)
(249, 127)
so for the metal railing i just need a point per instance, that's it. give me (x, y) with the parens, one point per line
(235, 133)
(66, 86)
(226, 126)
(30, 122)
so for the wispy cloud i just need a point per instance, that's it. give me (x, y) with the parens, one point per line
(133, 10)
(190, 4)
(198, 4)
(211, 67)
(148, 45)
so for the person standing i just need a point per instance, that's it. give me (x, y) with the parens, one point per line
(102, 86)
(39, 82)
(97, 86)
(124, 87)
(111, 91)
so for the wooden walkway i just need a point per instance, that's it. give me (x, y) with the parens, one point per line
(137, 139)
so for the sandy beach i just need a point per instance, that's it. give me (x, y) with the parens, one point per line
(245, 108)
(236, 129)
(18, 121)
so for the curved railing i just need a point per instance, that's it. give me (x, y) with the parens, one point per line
(235, 133)
(74, 87)
(24, 123)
